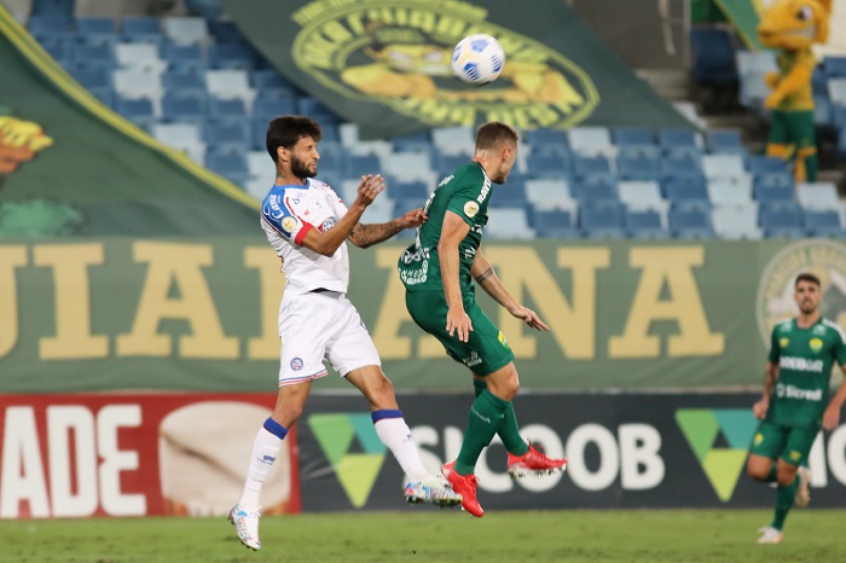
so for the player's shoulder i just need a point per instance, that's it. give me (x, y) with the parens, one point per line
(783, 326)
(834, 328)
(319, 185)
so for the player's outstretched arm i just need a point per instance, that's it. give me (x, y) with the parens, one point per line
(831, 416)
(485, 276)
(364, 236)
(327, 243)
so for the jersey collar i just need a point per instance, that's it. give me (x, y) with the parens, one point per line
(294, 186)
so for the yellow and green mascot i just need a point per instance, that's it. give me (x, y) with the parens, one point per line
(791, 27)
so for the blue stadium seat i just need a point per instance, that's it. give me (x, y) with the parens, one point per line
(713, 56)
(311, 107)
(541, 137)
(823, 111)
(139, 111)
(678, 191)
(269, 78)
(96, 31)
(589, 194)
(554, 224)
(225, 31)
(675, 138)
(415, 142)
(823, 224)
(94, 56)
(184, 109)
(106, 95)
(688, 222)
(758, 163)
(548, 165)
(62, 52)
(356, 166)
(209, 9)
(269, 109)
(774, 179)
(650, 152)
(632, 136)
(602, 220)
(585, 166)
(142, 30)
(644, 225)
(835, 67)
(839, 116)
(63, 8)
(773, 194)
(226, 136)
(92, 78)
(672, 167)
(230, 166)
(819, 82)
(185, 58)
(232, 56)
(415, 191)
(47, 25)
(689, 152)
(782, 220)
(511, 194)
(227, 109)
(638, 169)
(725, 142)
(184, 83)
(447, 163)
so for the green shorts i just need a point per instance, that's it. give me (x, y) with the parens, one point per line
(793, 128)
(485, 351)
(790, 443)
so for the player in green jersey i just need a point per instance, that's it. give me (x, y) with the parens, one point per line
(793, 406)
(438, 272)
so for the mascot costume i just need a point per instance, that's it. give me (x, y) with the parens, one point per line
(791, 27)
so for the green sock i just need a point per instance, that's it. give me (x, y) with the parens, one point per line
(485, 417)
(784, 502)
(508, 431)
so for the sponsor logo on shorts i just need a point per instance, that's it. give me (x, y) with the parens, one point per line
(297, 364)
(759, 438)
(472, 360)
(795, 456)
(816, 345)
(793, 392)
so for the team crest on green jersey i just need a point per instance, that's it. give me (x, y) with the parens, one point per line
(825, 259)
(816, 345)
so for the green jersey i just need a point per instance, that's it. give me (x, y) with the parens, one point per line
(805, 357)
(466, 192)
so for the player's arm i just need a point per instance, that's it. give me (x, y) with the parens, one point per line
(453, 231)
(327, 243)
(484, 274)
(367, 235)
(831, 416)
(760, 408)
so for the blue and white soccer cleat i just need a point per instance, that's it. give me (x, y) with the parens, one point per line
(433, 491)
(246, 524)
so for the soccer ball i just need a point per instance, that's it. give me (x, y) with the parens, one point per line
(478, 59)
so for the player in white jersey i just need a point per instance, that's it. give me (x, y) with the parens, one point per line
(307, 225)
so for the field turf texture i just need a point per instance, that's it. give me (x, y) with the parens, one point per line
(432, 536)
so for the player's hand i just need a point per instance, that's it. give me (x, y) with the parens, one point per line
(530, 318)
(831, 417)
(412, 219)
(370, 187)
(459, 322)
(773, 100)
(760, 408)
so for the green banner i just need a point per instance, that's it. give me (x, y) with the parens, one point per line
(745, 15)
(385, 64)
(201, 314)
(70, 166)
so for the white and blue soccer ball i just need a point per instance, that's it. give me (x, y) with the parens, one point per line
(478, 59)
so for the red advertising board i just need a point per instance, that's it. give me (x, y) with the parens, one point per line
(136, 455)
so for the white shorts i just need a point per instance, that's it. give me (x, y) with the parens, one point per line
(314, 326)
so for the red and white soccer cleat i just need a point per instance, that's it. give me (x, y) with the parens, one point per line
(534, 462)
(465, 485)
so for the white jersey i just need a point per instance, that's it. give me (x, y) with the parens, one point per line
(288, 213)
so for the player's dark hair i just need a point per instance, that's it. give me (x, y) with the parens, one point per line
(286, 130)
(493, 134)
(806, 277)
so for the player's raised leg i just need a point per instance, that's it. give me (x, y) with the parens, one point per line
(395, 434)
(289, 406)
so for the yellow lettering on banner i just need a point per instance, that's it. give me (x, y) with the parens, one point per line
(11, 257)
(572, 325)
(673, 266)
(179, 264)
(73, 338)
(265, 260)
(393, 315)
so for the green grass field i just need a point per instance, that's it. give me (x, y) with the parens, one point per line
(431, 536)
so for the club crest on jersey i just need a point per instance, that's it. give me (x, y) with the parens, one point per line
(289, 224)
(471, 208)
(297, 364)
(784, 342)
(816, 345)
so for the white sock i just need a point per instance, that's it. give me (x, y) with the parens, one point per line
(265, 449)
(396, 435)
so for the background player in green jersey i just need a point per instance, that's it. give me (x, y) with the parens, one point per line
(438, 272)
(793, 406)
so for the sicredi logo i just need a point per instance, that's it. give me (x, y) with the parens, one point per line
(357, 472)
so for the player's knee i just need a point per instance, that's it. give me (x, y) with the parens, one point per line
(785, 475)
(757, 472)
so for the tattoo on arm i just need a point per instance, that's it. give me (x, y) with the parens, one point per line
(368, 235)
(484, 275)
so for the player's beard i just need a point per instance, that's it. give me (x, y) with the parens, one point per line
(301, 170)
